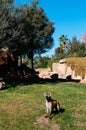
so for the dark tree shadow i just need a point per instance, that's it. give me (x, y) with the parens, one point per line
(32, 77)
(55, 78)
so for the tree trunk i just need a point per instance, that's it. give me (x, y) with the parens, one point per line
(32, 66)
(20, 60)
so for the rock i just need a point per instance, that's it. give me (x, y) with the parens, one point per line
(1, 84)
(62, 61)
(60, 69)
(44, 73)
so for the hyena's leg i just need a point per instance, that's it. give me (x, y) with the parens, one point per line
(51, 109)
(58, 106)
(47, 110)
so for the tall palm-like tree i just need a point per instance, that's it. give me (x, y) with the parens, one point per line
(63, 42)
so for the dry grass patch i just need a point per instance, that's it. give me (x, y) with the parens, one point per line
(78, 64)
(46, 122)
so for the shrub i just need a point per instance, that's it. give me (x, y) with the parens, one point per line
(78, 64)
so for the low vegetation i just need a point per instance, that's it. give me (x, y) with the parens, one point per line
(78, 64)
(23, 107)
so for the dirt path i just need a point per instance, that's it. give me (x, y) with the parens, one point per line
(46, 122)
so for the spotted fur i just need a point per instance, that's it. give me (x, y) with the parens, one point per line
(51, 104)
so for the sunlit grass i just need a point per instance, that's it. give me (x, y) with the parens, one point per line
(23, 107)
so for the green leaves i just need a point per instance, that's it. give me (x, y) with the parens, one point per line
(25, 30)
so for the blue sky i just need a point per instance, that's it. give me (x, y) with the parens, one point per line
(69, 17)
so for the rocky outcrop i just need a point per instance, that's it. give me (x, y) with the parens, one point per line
(64, 71)
(60, 70)
(44, 73)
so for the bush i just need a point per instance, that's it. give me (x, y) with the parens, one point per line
(78, 64)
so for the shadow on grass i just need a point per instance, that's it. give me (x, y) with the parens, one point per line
(34, 78)
(54, 113)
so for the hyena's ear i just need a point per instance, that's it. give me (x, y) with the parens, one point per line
(46, 94)
(49, 94)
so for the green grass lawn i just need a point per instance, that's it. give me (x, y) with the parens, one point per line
(23, 107)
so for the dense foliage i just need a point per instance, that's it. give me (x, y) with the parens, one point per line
(25, 30)
(75, 53)
(73, 48)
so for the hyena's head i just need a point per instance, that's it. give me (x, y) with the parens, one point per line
(47, 96)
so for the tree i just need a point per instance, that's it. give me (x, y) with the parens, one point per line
(41, 62)
(73, 47)
(4, 15)
(25, 30)
(82, 51)
(63, 42)
(76, 48)
(60, 52)
(39, 31)
(8, 23)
